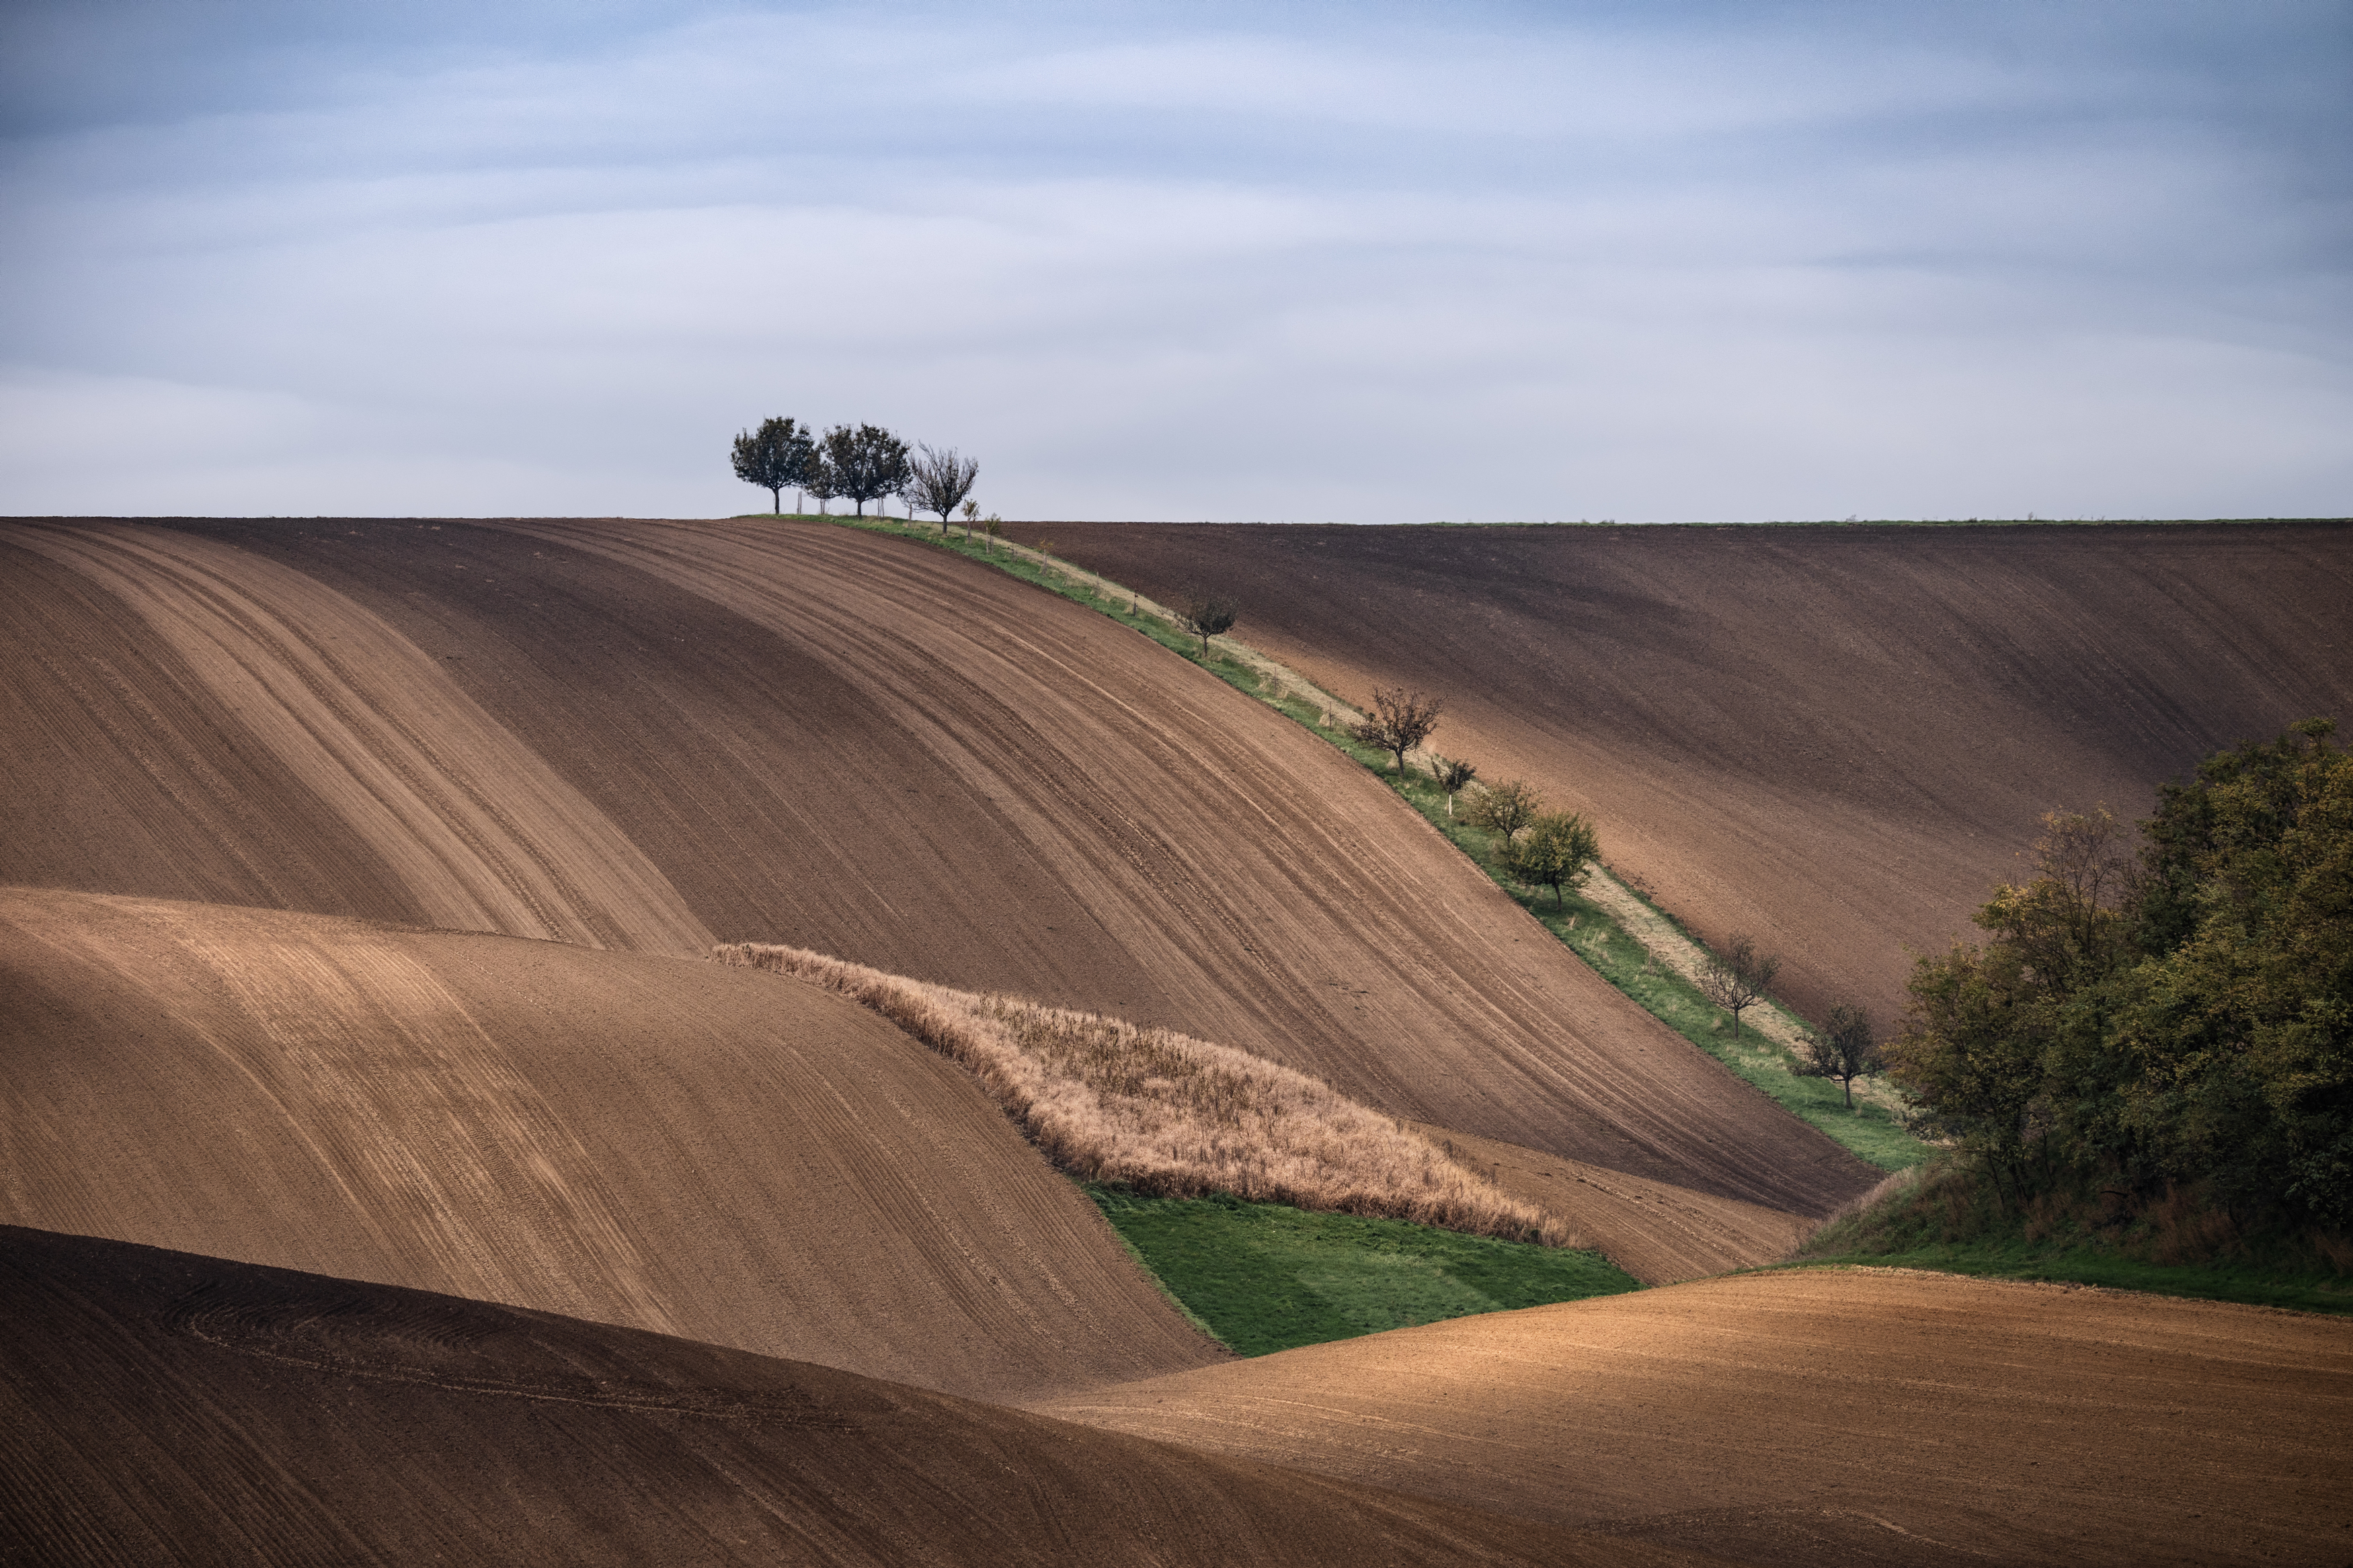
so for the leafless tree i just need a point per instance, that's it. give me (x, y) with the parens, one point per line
(1454, 776)
(1842, 1049)
(940, 480)
(1506, 807)
(1735, 979)
(1401, 720)
(1207, 614)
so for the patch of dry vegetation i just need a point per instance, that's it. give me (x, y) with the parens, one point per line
(1172, 1116)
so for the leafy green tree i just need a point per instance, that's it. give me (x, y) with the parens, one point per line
(1505, 808)
(867, 461)
(774, 456)
(1737, 978)
(822, 480)
(1400, 721)
(1557, 854)
(1843, 1048)
(2183, 1017)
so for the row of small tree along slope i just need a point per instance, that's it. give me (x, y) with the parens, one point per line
(861, 462)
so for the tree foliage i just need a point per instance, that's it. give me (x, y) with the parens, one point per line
(774, 456)
(2184, 1015)
(1738, 977)
(1400, 721)
(1505, 808)
(1555, 853)
(1843, 1048)
(1206, 613)
(866, 462)
(939, 480)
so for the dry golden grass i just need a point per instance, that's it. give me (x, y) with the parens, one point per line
(1174, 1116)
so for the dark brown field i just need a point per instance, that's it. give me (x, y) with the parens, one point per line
(157, 1407)
(1836, 739)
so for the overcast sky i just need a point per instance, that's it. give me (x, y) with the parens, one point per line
(1293, 262)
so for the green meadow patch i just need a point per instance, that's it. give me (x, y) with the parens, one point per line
(1264, 1278)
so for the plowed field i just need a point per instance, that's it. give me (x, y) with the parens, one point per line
(735, 1157)
(1851, 1417)
(638, 735)
(1837, 739)
(159, 1407)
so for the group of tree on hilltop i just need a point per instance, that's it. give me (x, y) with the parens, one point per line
(862, 462)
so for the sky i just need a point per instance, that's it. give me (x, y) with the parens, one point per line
(1283, 262)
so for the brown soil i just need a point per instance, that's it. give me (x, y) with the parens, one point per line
(1837, 739)
(160, 1407)
(1859, 1415)
(795, 734)
(733, 1156)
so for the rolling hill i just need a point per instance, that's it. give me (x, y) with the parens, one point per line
(734, 1157)
(1835, 738)
(635, 735)
(1863, 1417)
(160, 1407)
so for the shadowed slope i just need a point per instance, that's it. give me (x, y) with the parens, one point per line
(157, 1406)
(830, 740)
(651, 1141)
(1809, 1416)
(1834, 737)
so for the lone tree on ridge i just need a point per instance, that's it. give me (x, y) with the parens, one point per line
(1554, 854)
(1843, 1049)
(1505, 808)
(776, 455)
(867, 462)
(1207, 614)
(1401, 720)
(939, 482)
(1736, 978)
(1454, 775)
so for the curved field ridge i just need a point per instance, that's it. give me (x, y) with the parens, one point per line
(1173, 1116)
(1865, 1415)
(475, 832)
(657, 1142)
(1836, 739)
(828, 739)
(156, 1406)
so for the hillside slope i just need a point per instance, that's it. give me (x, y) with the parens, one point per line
(651, 1142)
(157, 1407)
(795, 734)
(1797, 1418)
(1837, 739)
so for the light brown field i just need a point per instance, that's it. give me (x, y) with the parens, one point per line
(644, 1141)
(1863, 1415)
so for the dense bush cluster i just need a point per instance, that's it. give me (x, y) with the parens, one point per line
(2174, 1017)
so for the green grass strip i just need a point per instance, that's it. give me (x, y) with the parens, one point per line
(1264, 1277)
(1871, 1131)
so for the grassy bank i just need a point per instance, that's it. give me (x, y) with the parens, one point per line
(2170, 1244)
(1264, 1278)
(1872, 1132)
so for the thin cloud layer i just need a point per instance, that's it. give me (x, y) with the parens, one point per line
(1392, 265)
